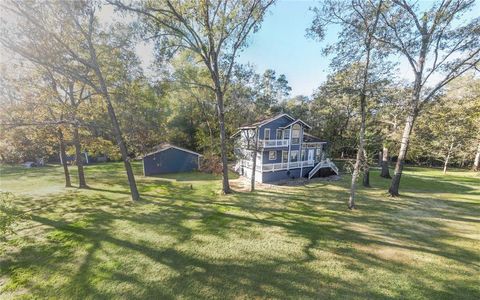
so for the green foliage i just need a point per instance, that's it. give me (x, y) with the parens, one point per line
(450, 126)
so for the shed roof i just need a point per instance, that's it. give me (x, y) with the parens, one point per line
(166, 146)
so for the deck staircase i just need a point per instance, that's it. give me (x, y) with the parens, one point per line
(323, 164)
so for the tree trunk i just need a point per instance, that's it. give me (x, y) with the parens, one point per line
(123, 149)
(363, 108)
(113, 118)
(412, 115)
(223, 142)
(380, 155)
(395, 185)
(78, 158)
(462, 163)
(254, 163)
(476, 163)
(366, 170)
(385, 171)
(447, 158)
(356, 168)
(366, 177)
(63, 158)
(76, 139)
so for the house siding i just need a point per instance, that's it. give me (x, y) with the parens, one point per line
(273, 125)
(285, 174)
(266, 155)
(169, 161)
(264, 151)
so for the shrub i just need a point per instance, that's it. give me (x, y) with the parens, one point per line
(211, 163)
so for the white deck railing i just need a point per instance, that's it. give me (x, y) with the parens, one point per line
(279, 166)
(324, 164)
(286, 166)
(272, 143)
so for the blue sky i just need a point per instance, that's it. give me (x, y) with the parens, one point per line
(281, 45)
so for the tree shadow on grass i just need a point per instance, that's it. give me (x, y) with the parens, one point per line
(100, 246)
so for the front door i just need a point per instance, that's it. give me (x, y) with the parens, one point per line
(310, 154)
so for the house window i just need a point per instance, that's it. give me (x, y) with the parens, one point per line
(286, 134)
(272, 155)
(284, 156)
(266, 133)
(279, 134)
(294, 155)
(303, 155)
(296, 134)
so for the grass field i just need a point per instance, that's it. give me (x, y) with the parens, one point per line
(184, 240)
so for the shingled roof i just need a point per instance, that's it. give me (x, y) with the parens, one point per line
(164, 146)
(265, 121)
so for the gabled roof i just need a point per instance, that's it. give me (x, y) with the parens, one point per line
(297, 121)
(166, 146)
(266, 121)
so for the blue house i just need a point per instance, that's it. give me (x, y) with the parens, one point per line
(284, 150)
(170, 159)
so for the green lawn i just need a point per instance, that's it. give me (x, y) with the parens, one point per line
(185, 240)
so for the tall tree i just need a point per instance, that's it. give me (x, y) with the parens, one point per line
(66, 37)
(215, 30)
(358, 21)
(438, 42)
(70, 103)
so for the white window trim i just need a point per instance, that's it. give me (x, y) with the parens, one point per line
(265, 135)
(283, 152)
(275, 155)
(281, 134)
(297, 129)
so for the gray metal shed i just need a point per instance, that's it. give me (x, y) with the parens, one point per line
(170, 159)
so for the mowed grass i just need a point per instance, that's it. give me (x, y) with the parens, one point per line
(185, 240)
